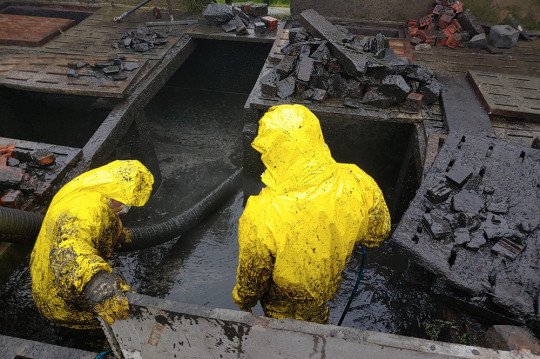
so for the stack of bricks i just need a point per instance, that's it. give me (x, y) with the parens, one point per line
(449, 24)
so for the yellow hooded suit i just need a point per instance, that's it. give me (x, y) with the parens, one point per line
(297, 235)
(78, 234)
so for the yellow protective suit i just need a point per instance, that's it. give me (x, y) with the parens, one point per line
(297, 235)
(78, 235)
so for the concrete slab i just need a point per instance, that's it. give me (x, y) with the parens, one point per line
(165, 329)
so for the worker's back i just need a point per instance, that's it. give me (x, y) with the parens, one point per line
(306, 221)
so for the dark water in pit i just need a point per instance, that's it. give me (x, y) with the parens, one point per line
(196, 126)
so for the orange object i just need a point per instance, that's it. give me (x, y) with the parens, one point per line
(5, 151)
(453, 41)
(458, 7)
(270, 22)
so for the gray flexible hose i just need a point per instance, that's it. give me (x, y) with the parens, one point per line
(23, 227)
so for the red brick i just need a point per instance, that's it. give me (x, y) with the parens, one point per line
(453, 41)
(458, 7)
(270, 22)
(446, 19)
(412, 22)
(412, 30)
(449, 30)
(426, 20)
(438, 10)
(441, 41)
(11, 198)
(456, 24)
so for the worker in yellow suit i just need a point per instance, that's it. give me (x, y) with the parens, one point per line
(72, 283)
(297, 235)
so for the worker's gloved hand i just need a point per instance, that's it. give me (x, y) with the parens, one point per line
(105, 293)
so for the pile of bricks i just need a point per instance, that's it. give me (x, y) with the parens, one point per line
(17, 177)
(241, 18)
(355, 71)
(449, 24)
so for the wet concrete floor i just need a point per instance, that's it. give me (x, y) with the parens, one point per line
(196, 124)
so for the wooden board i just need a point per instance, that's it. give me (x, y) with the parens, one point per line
(30, 30)
(513, 96)
(66, 157)
(47, 73)
(96, 34)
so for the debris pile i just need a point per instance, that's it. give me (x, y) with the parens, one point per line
(478, 229)
(112, 68)
(20, 171)
(141, 40)
(449, 24)
(241, 18)
(328, 62)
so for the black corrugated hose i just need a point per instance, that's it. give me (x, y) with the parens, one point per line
(23, 227)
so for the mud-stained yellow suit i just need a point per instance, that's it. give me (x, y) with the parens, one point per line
(78, 235)
(297, 235)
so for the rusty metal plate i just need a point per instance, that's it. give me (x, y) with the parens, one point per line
(30, 30)
(508, 95)
(96, 34)
(66, 157)
(48, 73)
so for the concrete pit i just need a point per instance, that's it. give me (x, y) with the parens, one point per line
(196, 123)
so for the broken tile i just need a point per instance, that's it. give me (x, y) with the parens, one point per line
(304, 69)
(458, 175)
(477, 240)
(438, 227)
(376, 99)
(468, 202)
(439, 193)
(395, 86)
(218, 14)
(286, 65)
(461, 236)
(508, 248)
(285, 87)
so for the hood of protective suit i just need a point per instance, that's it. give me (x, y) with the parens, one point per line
(291, 144)
(127, 181)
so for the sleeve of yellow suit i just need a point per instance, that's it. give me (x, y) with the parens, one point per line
(378, 224)
(74, 258)
(255, 263)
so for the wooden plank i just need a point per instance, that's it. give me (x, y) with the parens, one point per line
(30, 30)
(513, 96)
(48, 73)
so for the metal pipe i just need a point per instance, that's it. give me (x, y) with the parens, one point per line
(128, 12)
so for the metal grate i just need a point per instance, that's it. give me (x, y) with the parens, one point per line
(508, 95)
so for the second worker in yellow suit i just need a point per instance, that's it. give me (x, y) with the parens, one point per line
(297, 235)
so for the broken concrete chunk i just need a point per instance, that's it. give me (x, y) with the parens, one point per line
(13, 162)
(319, 95)
(469, 22)
(376, 99)
(110, 70)
(241, 14)
(499, 206)
(269, 84)
(458, 175)
(242, 30)
(418, 72)
(286, 65)
(503, 36)
(322, 54)
(337, 86)
(438, 227)
(72, 73)
(218, 14)
(508, 248)
(11, 177)
(130, 66)
(414, 101)
(297, 34)
(352, 103)
(395, 86)
(11, 198)
(461, 236)
(260, 28)
(353, 89)
(257, 10)
(477, 241)
(304, 69)
(512, 338)
(431, 92)
(467, 201)
(285, 87)
(439, 193)
(468, 220)
(232, 24)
